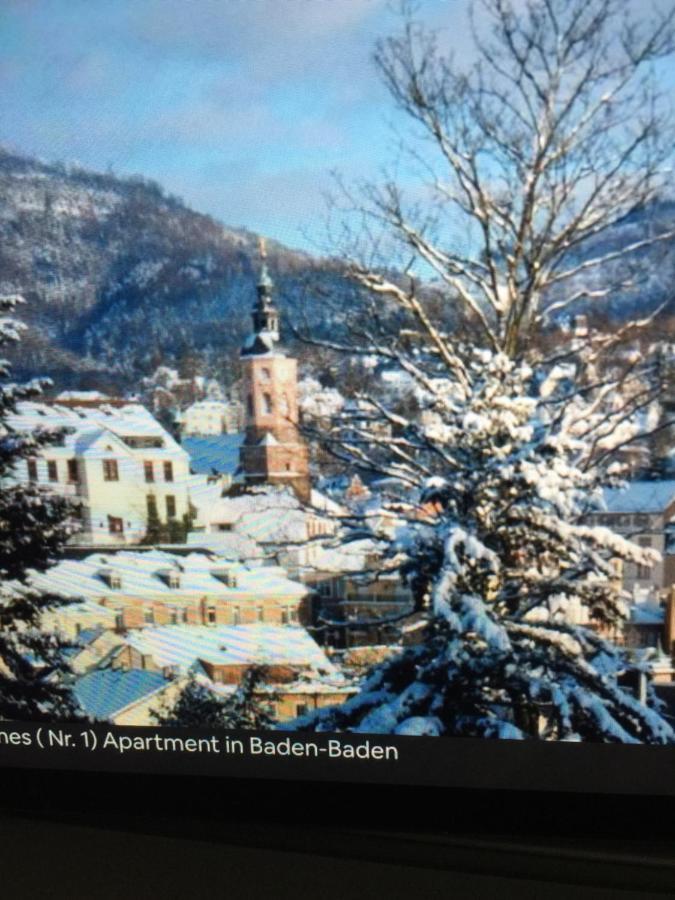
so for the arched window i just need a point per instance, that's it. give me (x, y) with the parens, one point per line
(249, 402)
(267, 404)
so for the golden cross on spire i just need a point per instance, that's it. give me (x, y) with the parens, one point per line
(262, 248)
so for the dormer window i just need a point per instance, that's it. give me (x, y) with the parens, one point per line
(228, 578)
(112, 579)
(170, 577)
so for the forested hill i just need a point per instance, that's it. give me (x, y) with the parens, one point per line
(118, 276)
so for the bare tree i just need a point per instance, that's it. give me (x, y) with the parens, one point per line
(552, 136)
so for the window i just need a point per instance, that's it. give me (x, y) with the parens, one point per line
(73, 473)
(52, 470)
(285, 616)
(643, 572)
(300, 709)
(149, 617)
(225, 526)
(211, 615)
(149, 471)
(267, 404)
(249, 404)
(151, 503)
(168, 471)
(260, 613)
(32, 469)
(236, 616)
(173, 580)
(170, 507)
(110, 470)
(115, 525)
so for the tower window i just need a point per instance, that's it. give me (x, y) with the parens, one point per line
(266, 374)
(249, 404)
(52, 470)
(267, 404)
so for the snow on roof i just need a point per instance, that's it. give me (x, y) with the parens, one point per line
(228, 545)
(217, 453)
(81, 395)
(232, 645)
(640, 497)
(104, 693)
(342, 557)
(87, 424)
(143, 574)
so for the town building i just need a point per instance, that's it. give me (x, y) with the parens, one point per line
(644, 511)
(137, 589)
(298, 672)
(273, 451)
(210, 417)
(119, 465)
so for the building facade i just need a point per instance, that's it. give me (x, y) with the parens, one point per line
(117, 463)
(139, 589)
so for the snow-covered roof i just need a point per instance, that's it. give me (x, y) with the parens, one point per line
(87, 425)
(217, 453)
(183, 646)
(640, 497)
(87, 396)
(104, 693)
(269, 514)
(144, 574)
(228, 545)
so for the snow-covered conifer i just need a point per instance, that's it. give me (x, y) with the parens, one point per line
(502, 468)
(197, 706)
(34, 524)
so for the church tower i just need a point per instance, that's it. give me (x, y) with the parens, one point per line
(273, 451)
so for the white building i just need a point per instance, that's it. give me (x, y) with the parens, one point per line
(210, 417)
(644, 511)
(117, 460)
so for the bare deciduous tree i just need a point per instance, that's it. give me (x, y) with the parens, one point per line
(552, 136)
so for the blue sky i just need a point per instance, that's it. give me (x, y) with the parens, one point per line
(241, 107)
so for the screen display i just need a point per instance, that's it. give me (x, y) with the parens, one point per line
(337, 420)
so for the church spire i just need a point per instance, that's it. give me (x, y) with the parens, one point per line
(265, 314)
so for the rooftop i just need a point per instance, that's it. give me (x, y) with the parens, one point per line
(213, 454)
(144, 574)
(104, 693)
(640, 497)
(232, 645)
(86, 424)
